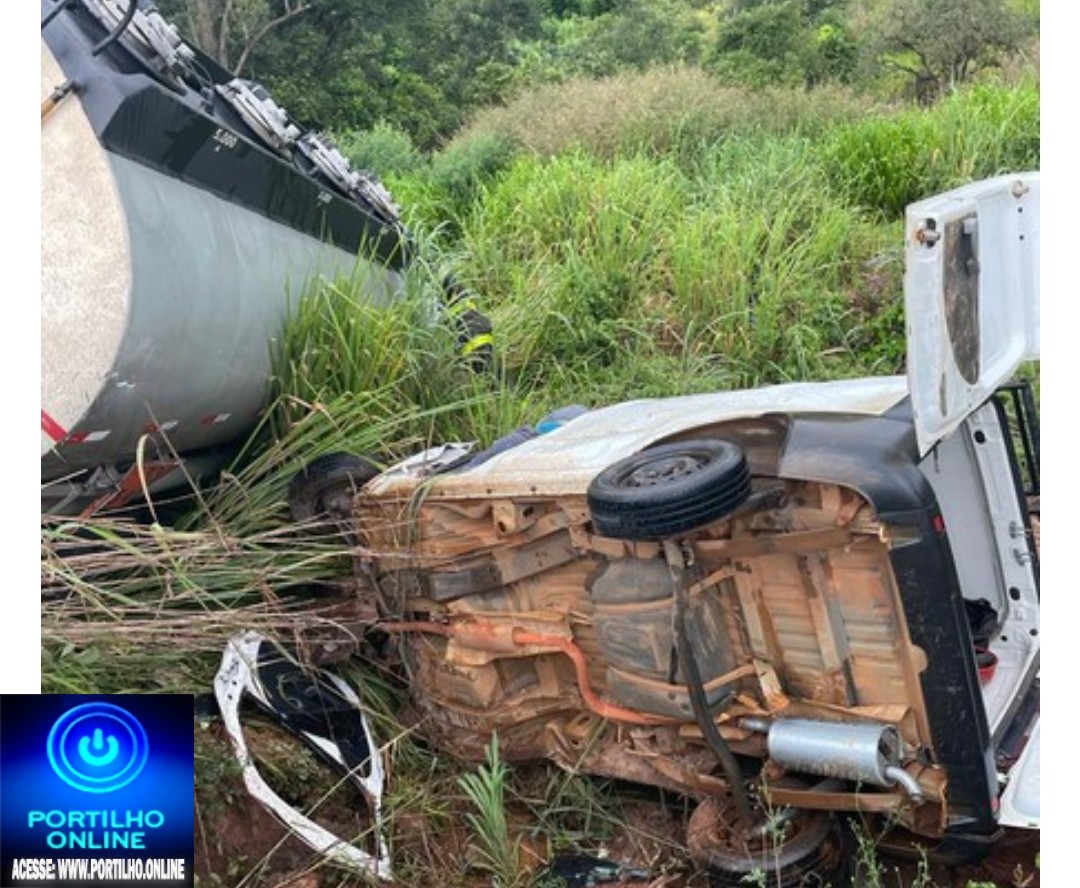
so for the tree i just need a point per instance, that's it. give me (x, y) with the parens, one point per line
(418, 65)
(769, 42)
(942, 43)
(834, 54)
(642, 33)
(467, 46)
(347, 64)
(230, 30)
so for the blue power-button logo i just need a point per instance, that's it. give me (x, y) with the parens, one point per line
(97, 747)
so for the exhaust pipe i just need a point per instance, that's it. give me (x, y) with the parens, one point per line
(862, 753)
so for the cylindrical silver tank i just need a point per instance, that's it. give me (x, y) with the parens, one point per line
(159, 298)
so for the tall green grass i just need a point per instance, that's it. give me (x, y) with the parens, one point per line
(765, 248)
(878, 155)
(675, 113)
(133, 608)
(743, 271)
(667, 111)
(886, 162)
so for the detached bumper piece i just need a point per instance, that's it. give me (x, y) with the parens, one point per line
(325, 713)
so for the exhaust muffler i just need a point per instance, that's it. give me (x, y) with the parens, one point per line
(862, 753)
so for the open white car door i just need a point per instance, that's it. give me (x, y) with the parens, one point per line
(971, 290)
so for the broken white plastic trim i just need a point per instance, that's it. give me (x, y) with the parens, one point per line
(1021, 803)
(235, 678)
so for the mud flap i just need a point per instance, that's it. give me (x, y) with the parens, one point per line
(326, 714)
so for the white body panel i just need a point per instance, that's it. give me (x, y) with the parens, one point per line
(564, 461)
(971, 290)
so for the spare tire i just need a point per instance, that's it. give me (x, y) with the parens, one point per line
(668, 490)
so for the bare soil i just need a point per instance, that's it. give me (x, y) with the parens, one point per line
(239, 842)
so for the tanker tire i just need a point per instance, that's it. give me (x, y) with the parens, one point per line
(325, 487)
(668, 490)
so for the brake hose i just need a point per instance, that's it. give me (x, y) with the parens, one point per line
(696, 688)
(115, 33)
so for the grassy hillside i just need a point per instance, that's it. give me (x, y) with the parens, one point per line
(650, 235)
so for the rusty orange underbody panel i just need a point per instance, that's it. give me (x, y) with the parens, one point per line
(514, 617)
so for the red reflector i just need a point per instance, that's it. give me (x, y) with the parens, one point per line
(939, 524)
(52, 428)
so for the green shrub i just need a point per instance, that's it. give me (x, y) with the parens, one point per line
(460, 170)
(383, 150)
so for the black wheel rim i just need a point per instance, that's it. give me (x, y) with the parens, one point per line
(663, 470)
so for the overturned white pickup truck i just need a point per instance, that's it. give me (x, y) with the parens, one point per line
(815, 598)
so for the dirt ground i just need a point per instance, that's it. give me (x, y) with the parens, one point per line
(238, 843)
(250, 846)
(1011, 863)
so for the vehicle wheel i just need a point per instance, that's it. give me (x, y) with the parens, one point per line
(670, 489)
(326, 486)
(808, 849)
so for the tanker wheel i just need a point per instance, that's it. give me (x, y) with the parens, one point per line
(670, 489)
(325, 487)
(807, 850)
